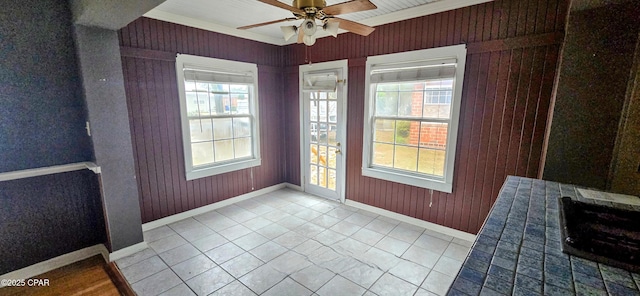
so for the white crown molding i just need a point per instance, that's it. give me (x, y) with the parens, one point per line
(401, 15)
(191, 22)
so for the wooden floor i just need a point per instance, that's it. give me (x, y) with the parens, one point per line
(91, 276)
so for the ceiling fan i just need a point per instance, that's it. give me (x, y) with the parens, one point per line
(312, 10)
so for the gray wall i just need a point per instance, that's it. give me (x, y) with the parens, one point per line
(101, 70)
(42, 112)
(596, 62)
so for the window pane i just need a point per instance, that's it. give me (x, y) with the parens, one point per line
(322, 154)
(314, 153)
(332, 179)
(224, 150)
(321, 133)
(322, 105)
(313, 179)
(431, 162)
(332, 134)
(406, 158)
(406, 132)
(235, 98)
(437, 98)
(332, 157)
(222, 128)
(203, 102)
(318, 132)
(193, 104)
(383, 154)
(202, 153)
(322, 177)
(241, 127)
(201, 130)
(242, 147)
(219, 104)
(242, 104)
(410, 104)
(386, 103)
(313, 111)
(383, 130)
(442, 111)
(333, 112)
(433, 135)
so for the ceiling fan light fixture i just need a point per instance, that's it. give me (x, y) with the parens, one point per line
(309, 27)
(309, 40)
(289, 32)
(332, 28)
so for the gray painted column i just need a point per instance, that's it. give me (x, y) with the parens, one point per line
(101, 70)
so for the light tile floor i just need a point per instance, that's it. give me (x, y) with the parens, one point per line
(290, 243)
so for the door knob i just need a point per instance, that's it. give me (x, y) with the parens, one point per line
(338, 151)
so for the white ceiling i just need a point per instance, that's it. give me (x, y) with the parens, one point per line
(224, 16)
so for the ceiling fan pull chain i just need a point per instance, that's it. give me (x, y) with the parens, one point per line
(306, 55)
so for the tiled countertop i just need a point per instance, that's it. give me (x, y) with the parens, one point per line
(518, 250)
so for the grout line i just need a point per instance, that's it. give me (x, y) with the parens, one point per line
(332, 247)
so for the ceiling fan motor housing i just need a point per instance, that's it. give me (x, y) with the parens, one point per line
(309, 27)
(319, 4)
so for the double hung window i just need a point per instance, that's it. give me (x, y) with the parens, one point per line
(411, 116)
(219, 115)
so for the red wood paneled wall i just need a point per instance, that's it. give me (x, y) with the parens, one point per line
(513, 49)
(148, 50)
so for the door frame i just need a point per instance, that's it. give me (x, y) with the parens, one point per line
(341, 135)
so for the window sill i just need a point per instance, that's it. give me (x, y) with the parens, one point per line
(407, 179)
(221, 169)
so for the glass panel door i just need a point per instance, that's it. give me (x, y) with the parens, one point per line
(323, 134)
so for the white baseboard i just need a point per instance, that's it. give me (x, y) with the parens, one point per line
(421, 223)
(211, 207)
(54, 263)
(292, 186)
(130, 250)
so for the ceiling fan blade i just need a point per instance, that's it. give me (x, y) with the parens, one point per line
(279, 4)
(353, 27)
(267, 23)
(300, 36)
(349, 7)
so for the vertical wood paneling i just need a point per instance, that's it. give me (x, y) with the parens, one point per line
(505, 104)
(152, 98)
(506, 97)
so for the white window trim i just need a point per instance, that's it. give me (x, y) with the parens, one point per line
(198, 62)
(458, 52)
